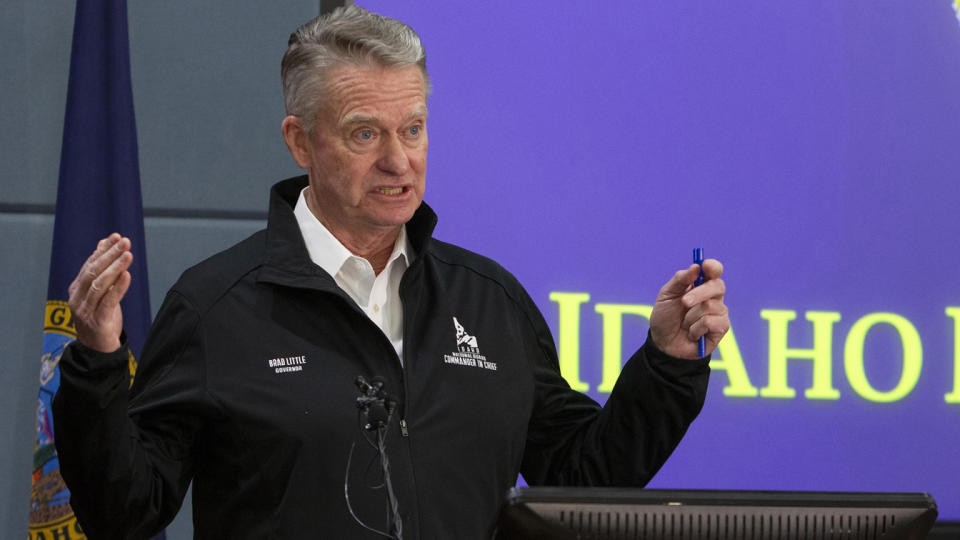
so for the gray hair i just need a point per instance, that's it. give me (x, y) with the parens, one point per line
(350, 36)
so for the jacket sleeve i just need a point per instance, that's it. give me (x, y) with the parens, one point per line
(573, 441)
(126, 455)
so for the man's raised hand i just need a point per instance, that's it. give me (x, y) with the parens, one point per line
(683, 313)
(96, 292)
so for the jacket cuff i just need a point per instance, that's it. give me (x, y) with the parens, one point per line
(91, 380)
(83, 359)
(673, 367)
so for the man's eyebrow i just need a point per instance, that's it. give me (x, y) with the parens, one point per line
(361, 118)
(419, 113)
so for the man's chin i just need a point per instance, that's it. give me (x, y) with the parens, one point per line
(396, 214)
(389, 220)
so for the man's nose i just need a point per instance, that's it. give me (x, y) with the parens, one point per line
(393, 158)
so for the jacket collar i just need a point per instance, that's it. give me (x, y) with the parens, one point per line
(287, 261)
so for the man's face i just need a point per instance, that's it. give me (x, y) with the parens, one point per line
(367, 157)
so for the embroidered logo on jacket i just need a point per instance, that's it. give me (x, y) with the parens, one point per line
(287, 364)
(468, 352)
(465, 342)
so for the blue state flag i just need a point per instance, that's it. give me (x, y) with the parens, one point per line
(98, 193)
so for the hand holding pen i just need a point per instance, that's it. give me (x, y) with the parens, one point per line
(688, 321)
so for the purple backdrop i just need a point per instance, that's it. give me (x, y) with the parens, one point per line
(813, 147)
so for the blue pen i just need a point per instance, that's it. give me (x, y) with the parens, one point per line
(698, 259)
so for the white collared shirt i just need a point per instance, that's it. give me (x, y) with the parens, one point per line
(377, 295)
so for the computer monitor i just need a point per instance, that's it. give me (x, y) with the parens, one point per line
(615, 513)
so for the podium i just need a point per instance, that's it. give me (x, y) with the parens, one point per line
(627, 513)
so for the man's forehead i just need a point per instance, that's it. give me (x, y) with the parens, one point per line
(382, 95)
(360, 93)
(349, 79)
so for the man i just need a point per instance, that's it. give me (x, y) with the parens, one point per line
(246, 387)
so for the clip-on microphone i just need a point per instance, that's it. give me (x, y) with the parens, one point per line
(376, 409)
(376, 406)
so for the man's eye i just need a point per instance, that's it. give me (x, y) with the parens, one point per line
(364, 134)
(413, 131)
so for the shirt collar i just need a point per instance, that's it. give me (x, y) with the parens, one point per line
(327, 252)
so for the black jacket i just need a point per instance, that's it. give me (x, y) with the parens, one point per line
(246, 387)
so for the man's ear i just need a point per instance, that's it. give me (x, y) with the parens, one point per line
(298, 141)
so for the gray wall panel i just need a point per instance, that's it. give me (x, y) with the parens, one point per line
(206, 78)
(182, 526)
(35, 57)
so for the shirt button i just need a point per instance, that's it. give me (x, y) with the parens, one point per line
(376, 308)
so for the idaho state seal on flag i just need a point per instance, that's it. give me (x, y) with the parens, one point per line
(50, 512)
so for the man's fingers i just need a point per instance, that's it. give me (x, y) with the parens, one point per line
(712, 269)
(97, 277)
(108, 278)
(108, 250)
(683, 279)
(86, 275)
(715, 288)
(115, 293)
(715, 325)
(708, 308)
(105, 243)
(103, 246)
(680, 281)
